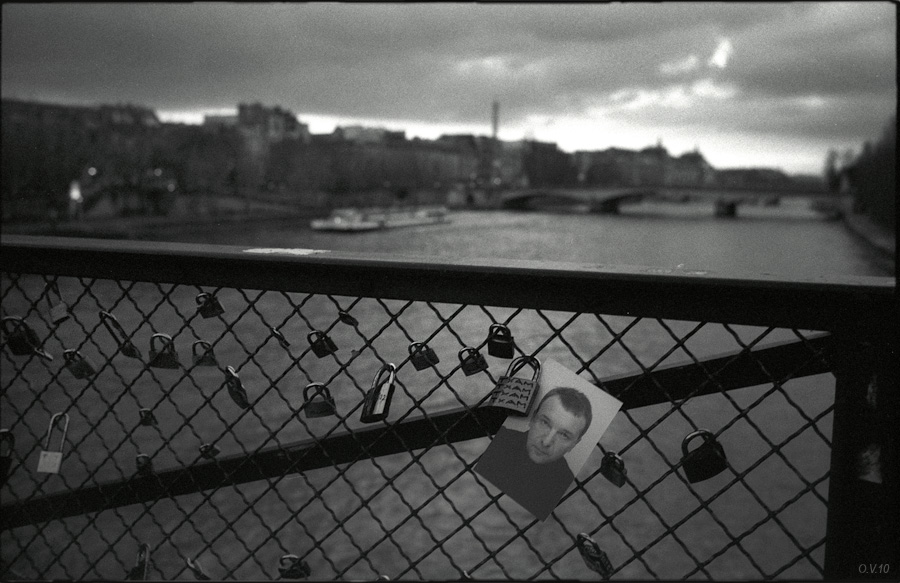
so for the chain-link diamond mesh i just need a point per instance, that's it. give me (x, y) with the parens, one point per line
(421, 512)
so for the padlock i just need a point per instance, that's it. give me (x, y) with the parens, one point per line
(165, 356)
(280, 338)
(321, 407)
(236, 389)
(515, 393)
(21, 339)
(471, 361)
(120, 336)
(8, 441)
(705, 461)
(377, 403)
(613, 468)
(141, 569)
(422, 356)
(291, 567)
(208, 305)
(347, 319)
(49, 461)
(500, 341)
(147, 417)
(206, 357)
(321, 344)
(59, 311)
(209, 451)
(197, 570)
(78, 365)
(144, 464)
(594, 558)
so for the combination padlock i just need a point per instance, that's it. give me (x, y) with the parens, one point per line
(321, 344)
(148, 419)
(78, 365)
(321, 403)
(208, 305)
(422, 356)
(59, 311)
(280, 338)
(613, 468)
(141, 568)
(515, 393)
(236, 389)
(291, 567)
(377, 403)
(144, 464)
(595, 559)
(209, 451)
(21, 339)
(472, 361)
(119, 335)
(7, 445)
(705, 461)
(162, 352)
(347, 319)
(50, 461)
(500, 342)
(203, 354)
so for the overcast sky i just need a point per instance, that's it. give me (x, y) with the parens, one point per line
(757, 84)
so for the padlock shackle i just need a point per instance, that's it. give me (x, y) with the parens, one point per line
(108, 319)
(203, 297)
(71, 354)
(468, 349)
(501, 329)
(54, 421)
(316, 333)
(206, 346)
(416, 347)
(19, 323)
(707, 436)
(292, 559)
(164, 338)
(614, 458)
(321, 389)
(520, 362)
(231, 374)
(391, 369)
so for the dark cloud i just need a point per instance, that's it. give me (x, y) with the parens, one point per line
(445, 63)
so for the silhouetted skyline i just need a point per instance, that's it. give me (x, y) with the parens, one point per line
(772, 85)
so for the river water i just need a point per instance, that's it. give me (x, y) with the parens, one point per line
(787, 241)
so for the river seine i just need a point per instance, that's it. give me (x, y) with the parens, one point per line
(787, 241)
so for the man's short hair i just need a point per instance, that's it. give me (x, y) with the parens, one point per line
(573, 401)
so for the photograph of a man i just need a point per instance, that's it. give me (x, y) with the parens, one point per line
(531, 459)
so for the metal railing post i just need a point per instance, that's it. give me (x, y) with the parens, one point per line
(862, 529)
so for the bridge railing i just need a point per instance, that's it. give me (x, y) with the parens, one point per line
(796, 380)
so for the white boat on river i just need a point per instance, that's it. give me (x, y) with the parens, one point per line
(353, 220)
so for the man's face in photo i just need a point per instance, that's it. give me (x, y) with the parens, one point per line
(554, 431)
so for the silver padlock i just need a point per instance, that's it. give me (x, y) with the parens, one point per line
(235, 388)
(377, 403)
(50, 461)
(59, 311)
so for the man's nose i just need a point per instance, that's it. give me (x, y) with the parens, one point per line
(548, 438)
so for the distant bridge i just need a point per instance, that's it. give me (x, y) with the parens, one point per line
(607, 200)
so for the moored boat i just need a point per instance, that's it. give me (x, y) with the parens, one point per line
(351, 220)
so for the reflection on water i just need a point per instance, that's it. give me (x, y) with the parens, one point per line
(783, 241)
